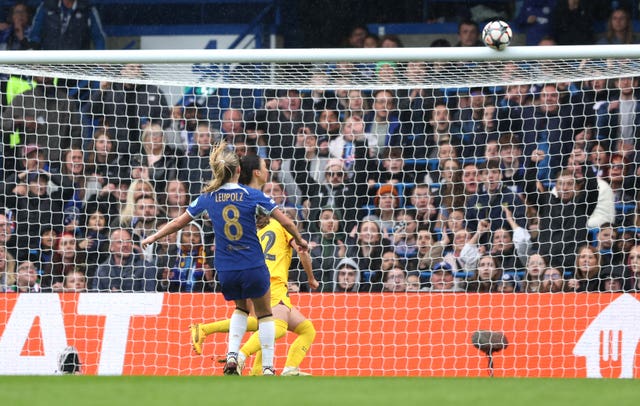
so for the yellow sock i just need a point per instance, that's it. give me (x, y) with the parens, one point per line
(306, 335)
(252, 346)
(222, 326)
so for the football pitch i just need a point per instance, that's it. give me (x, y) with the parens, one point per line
(220, 390)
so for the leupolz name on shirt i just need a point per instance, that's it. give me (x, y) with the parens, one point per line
(229, 197)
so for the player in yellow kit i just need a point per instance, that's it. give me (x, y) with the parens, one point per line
(277, 246)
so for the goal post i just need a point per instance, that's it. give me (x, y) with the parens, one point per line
(470, 212)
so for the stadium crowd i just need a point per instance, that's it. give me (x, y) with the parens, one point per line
(519, 188)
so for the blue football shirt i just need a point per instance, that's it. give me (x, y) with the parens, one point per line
(232, 210)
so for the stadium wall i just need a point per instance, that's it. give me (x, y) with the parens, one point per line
(550, 335)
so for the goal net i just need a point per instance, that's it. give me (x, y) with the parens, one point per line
(469, 212)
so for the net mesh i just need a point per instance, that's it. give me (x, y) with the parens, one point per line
(497, 180)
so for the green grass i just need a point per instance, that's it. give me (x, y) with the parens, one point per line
(280, 391)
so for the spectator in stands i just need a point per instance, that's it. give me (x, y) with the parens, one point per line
(423, 202)
(125, 270)
(16, 36)
(442, 279)
(438, 132)
(365, 246)
(512, 107)
(464, 255)
(138, 189)
(572, 23)
(386, 204)
(94, 242)
(27, 280)
(356, 104)
(7, 270)
(32, 160)
(486, 277)
(391, 169)
(128, 108)
(534, 20)
(624, 185)
(371, 41)
(511, 246)
(283, 116)
(75, 281)
(338, 193)
(547, 127)
(328, 122)
(75, 183)
(67, 24)
(405, 233)
(468, 34)
(45, 116)
(588, 271)
(352, 137)
(383, 122)
(619, 29)
(607, 245)
(395, 280)
(176, 199)
(34, 210)
(391, 41)
(346, 277)
(232, 125)
(618, 118)
(632, 271)
(191, 272)
(103, 162)
(356, 37)
(145, 221)
(489, 204)
(563, 215)
(552, 281)
(414, 284)
(507, 284)
(429, 250)
(66, 257)
(511, 162)
(306, 170)
(197, 171)
(161, 160)
(532, 280)
(327, 246)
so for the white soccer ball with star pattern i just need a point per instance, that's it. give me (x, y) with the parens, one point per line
(497, 35)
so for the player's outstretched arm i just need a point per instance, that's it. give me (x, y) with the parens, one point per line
(169, 228)
(307, 265)
(289, 225)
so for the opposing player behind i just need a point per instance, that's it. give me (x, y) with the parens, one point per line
(239, 260)
(277, 245)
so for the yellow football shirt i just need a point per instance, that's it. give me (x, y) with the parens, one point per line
(276, 245)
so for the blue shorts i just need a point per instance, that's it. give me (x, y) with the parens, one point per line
(246, 283)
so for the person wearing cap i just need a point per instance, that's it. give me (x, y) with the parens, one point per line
(386, 202)
(507, 284)
(442, 279)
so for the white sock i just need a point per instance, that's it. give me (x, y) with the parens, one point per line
(267, 334)
(237, 328)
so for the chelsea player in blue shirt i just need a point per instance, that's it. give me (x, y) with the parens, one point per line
(239, 259)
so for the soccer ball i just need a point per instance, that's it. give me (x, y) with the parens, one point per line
(497, 35)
